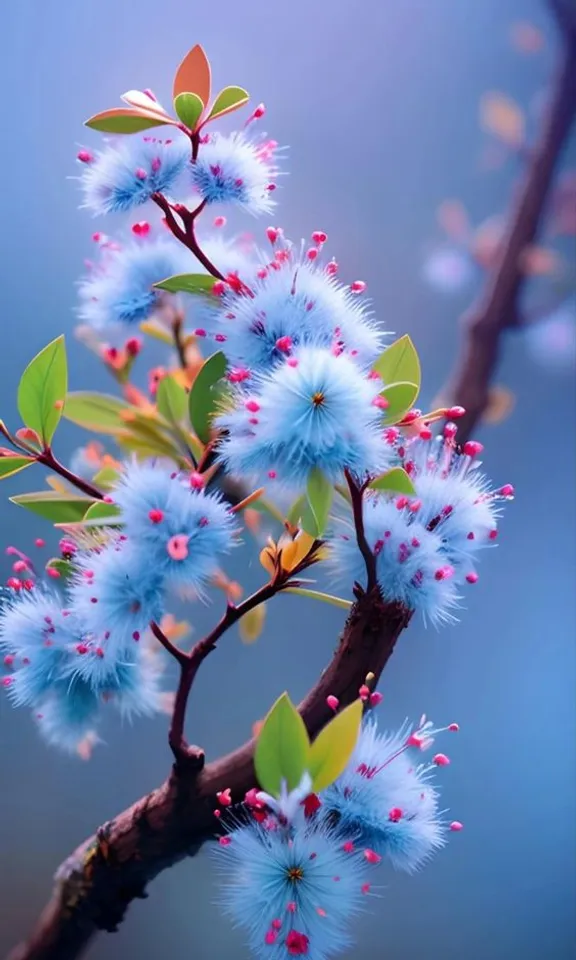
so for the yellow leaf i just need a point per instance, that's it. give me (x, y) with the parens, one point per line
(500, 404)
(252, 623)
(334, 745)
(501, 116)
(540, 262)
(193, 75)
(268, 557)
(295, 550)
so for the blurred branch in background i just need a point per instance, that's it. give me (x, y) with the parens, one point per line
(96, 884)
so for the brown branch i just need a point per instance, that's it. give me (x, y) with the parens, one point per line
(497, 309)
(186, 234)
(96, 884)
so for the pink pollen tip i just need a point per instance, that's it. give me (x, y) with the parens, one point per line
(453, 413)
(372, 857)
(311, 253)
(272, 474)
(140, 173)
(472, 577)
(270, 937)
(333, 702)
(472, 448)
(272, 233)
(196, 480)
(365, 888)
(156, 516)
(456, 826)
(507, 490)
(252, 405)
(425, 433)
(84, 156)
(376, 699)
(493, 535)
(358, 286)
(177, 547)
(319, 236)
(450, 431)
(219, 221)
(8, 660)
(141, 229)
(348, 847)
(454, 727)
(7, 681)
(199, 332)
(395, 814)
(444, 573)
(331, 268)
(39, 542)
(276, 924)
(224, 841)
(364, 692)
(224, 798)
(219, 288)
(441, 760)
(259, 111)
(381, 402)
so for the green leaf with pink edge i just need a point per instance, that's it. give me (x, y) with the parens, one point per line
(42, 390)
(11, 463)
(125, 120)
(57, 507)
(282, 749)
(189, 108)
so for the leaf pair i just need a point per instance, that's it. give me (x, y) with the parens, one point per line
(284, 752)
(399, 368)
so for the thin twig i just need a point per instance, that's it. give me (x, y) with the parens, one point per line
(357, 499)
(186, 235)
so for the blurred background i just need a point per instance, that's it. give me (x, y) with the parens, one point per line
(379, 103)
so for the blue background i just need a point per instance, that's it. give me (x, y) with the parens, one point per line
(378, 102)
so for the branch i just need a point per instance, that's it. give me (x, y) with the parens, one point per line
(498, 307)
(96, 884)
(186, 234)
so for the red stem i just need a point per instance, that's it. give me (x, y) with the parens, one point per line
(186, 234)
(48, 459)
(357, 497)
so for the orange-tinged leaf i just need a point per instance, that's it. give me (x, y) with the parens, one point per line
(540, 262)
(501, 402)
(252, 624)
(453, 219)
(268, 558)
(193, 75)
(501, 116)
(295, 551)
(256, 728)
(125, 120)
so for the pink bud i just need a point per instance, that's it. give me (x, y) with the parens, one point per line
(456, 826)
(199, 332)
(196, 480)
(365, 888)
(177, 547)
(311, 253)
(472, 577)
(141, 229)
(333, 702)
(395, 814)
(454, 727)
(224, 798)
(331, 268)
(507, 490)
(39, 542)
(441, 760)
(225, 841)
(8, 660)
(376, 699)
(348, 847)
(444, 573)
(284, 344)
(472, 448)
(270, 937)
(259, 111)
(84, 156)
(381, 402)
(493, 535)
(252, 405)
(455, 412)
(133, 346)
(372, 857)
(364, 692)
(450, 431)
(219, 288)
(219, 221)
(425, 433)
(319, 236)
(7, 681)
(140, 173)
(358, 286)
(272, 233)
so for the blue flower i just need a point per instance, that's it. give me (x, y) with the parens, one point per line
(295, 301)
(135, 688)
(129, 170)
(315, 410)
(69, 713)
(387, 799)
(181, 531)
(293, 892)
(119, 290)
(37, 641)
(115, 594)
(234, 169)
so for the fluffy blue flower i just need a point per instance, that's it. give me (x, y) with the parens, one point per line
(37, 641)
(318, 412)
(135, 689)
(235, 169)
(294, 302)
(119, 290)
(69, 713)
(129, 170)
(387, 799)
(294, 893)
(115, 594)
(426, 545)
(180, 531)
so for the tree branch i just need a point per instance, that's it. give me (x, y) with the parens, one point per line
(96, 884)
(485, 324)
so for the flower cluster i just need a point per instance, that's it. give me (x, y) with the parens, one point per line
(236, 170)
(70, 654)
(426, 545)
(295, 876)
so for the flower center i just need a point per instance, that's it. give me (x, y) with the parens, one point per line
(295, 874)
(317, 399)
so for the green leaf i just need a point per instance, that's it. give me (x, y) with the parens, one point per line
(54, 506)
(204, 396)
(124, 120)
(229, 99)
(42, 390)
(282, 748)
(189, 108)
(319, 492)
(102, 514)
(187, 283)
(395, 480)
(13, 463)
(399, 363)
(296, 511)
(318, 595)
(401, 398)
(333, 747)
(171, 400)
(107, 477)
(96, 411)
